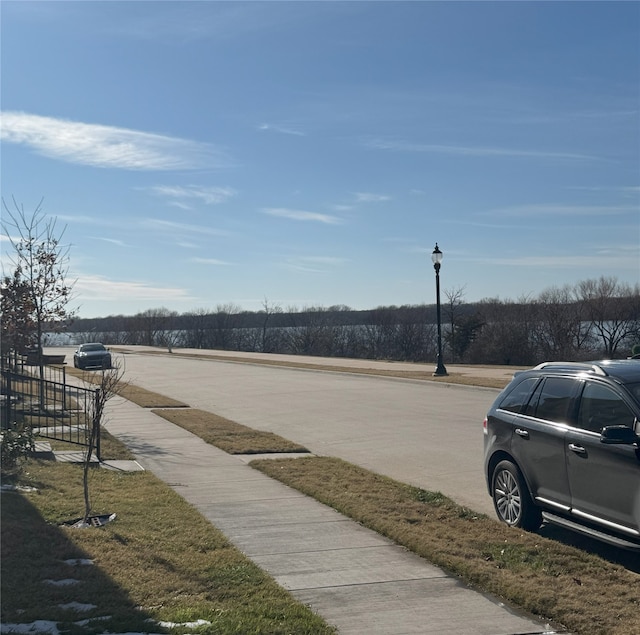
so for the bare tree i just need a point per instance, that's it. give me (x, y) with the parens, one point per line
(310, 332)
(41, 265)
(109, 384)
(225, 321)
(269, 310)
(380, 331)
(453, 311)
(198, 328)
(156, 326)
(561, 328)
(505, 335)
(613, 310)
(343, 342)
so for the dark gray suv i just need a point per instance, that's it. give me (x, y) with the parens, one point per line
(561, 444)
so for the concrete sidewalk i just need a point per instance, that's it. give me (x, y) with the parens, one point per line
(353, 577)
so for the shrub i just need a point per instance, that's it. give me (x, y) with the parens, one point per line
(15, 444)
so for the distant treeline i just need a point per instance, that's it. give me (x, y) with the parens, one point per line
(595, 318)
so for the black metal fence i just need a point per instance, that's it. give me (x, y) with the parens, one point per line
(39, 398)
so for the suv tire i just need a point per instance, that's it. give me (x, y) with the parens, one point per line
(511, 498)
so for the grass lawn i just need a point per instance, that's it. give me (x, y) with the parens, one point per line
(228, 435)
(159, 560)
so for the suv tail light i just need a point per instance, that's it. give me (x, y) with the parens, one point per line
(484, 426)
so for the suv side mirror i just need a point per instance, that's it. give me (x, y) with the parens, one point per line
(618, 434)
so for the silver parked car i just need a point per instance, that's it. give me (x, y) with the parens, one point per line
(93, 355)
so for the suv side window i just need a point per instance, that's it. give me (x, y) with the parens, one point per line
(517, 399)
(600, 407)
(552, 399)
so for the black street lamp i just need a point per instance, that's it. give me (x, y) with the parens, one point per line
(436, 256)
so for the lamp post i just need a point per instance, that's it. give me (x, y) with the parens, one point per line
(436, 257)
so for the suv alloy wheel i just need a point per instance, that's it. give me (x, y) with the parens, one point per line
(511, 498)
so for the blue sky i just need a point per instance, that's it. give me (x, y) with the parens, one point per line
(312, 153)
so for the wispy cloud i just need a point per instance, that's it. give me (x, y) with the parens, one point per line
(627, 191)
(630, 249)
(100, 221)
(180, 196)
(218, 21)
(210, 261)
(111, 241)
(300, 215)
(106, 146)
(368, 197)
(182, 228)
(569, 116)
(562, 210)
(313, 264)
(323, 260)
(282, 129)
(583, 261)
(470, 151)
(102, 288)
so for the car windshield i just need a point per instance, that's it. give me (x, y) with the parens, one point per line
(92, 347)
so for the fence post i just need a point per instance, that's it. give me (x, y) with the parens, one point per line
(6, 424)
(64, 390)
(96, 422)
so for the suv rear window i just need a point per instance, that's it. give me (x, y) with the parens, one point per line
(517, 399)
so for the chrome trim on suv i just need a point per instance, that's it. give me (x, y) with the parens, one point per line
(607, 523)
(550, 503)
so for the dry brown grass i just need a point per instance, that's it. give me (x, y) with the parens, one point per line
(228, 435)
(159, 559)
(149, 399)
(140, 396)
(554, 581)
(110, 448)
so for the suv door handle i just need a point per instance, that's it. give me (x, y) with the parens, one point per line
(578, 449)
(522, 433)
